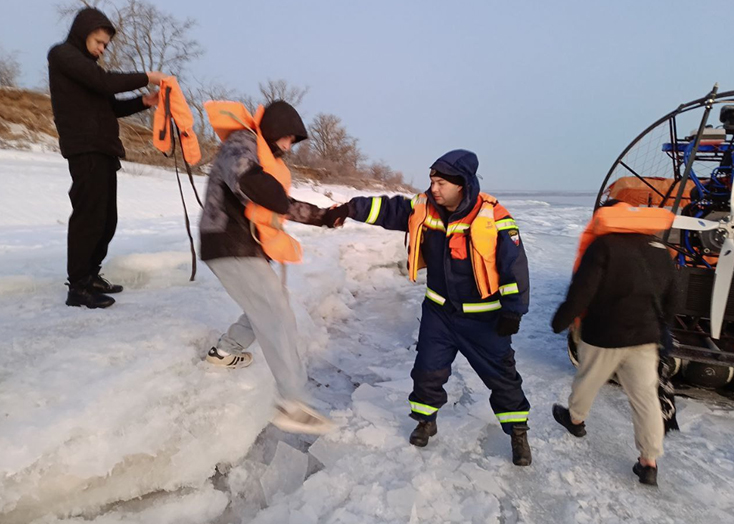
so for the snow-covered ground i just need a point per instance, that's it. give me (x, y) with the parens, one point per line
(111, 416)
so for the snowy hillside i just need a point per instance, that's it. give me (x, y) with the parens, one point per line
(111, 416)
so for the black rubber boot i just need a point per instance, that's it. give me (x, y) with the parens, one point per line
(647, 474)
(80, 294)
(521, 455)
(563, 417)
(422, 432)
(97, 284)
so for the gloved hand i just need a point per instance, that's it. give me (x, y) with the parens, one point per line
(335, 216)
(508, 324)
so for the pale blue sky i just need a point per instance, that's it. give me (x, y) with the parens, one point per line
(546, 93)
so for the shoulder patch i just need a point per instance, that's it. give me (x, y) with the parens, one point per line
(514, 236)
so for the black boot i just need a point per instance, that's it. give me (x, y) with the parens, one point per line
(563, 417)
(80, 294)
(647, 474)
(98, 284)
(422, 432)
(521, 455)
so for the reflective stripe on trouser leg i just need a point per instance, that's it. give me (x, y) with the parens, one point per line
(422, 409)
(493, 359)
(436, 352)
(512, 416)
(428, 394)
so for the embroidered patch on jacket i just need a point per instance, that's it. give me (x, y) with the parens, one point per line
(514, 236)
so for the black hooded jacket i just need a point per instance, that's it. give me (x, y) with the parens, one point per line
(83, 94)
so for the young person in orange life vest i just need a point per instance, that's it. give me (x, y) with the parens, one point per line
(246, 200)
(625, 291)
(477, 290)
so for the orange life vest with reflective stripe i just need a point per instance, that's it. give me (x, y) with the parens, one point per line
(172, 104)
(479, 225)
(623, 218)
(226, 117)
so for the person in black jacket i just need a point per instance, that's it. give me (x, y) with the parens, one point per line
(85, 112)
(624, 290)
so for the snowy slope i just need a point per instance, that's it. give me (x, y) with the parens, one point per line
(111, 416)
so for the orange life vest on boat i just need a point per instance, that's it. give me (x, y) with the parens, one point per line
(226, 117)
(623, 218)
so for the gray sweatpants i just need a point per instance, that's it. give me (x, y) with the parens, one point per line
(637, 371)
(267, 317)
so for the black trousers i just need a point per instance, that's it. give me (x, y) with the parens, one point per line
(93, 220)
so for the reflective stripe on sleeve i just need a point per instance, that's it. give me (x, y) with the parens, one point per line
(505, 224)
(509, 289)
(374, 210)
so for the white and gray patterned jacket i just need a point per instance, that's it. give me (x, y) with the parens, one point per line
(235, 180)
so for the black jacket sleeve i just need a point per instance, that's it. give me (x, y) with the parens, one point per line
(263, 189)
(583, 287)
(305, 213)
(72, 63)
(123, 108)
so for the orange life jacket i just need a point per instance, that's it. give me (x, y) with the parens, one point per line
(172, 105)
(623, 218)
(481, 227)
(226, 117)
(173, 109)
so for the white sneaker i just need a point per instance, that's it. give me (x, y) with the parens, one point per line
(297, 417)
(241, 360)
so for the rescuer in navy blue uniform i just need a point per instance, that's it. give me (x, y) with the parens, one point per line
(477, 290)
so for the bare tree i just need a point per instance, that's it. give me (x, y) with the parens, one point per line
(150, 40)
(280, 90)
(331, 142)
(380, 171)
(9, 69)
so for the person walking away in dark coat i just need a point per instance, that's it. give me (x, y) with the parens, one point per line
(232, 247)
(624, 290)
(85, 112)
(477, 290)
